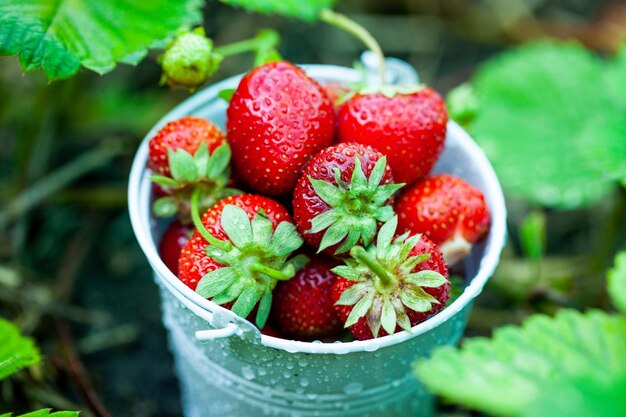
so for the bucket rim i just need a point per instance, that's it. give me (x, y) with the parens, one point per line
(141, 222)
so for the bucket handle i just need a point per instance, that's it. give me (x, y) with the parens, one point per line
(212, 334)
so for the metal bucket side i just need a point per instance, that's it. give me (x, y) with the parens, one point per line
(240, 372)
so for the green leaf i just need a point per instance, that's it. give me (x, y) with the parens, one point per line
(165, 207)
(285, 239)
(183, 166)
(16, 351)
(333, 235)
(617, 282)
(427, 279)
(201, 158)
(323, 221)
(328, 192)
(219, 161)
(264, 309)
(262, 229)
(236, 224)
(60, 36)
(46, 412)
(346, 272)
(388, 317)
(165, 181)
(226, 94)
(358, 180)
(351, 240)
(360, 309)
(307, 10)
(216, 281)
(246, 302)
(520, 371)
(537, 106)
(386, 232)
(377, 173)
(351, 295)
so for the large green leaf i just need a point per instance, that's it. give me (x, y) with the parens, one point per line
(517, 371)
(541, 108)
(61, 35)
(307, 10)
(16, 351)
(617, 282)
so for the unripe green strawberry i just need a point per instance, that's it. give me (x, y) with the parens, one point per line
(190, 60)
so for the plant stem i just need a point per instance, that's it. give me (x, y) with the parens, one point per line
(386, 280)
(283, 275)
(197, 221)
(344, 23)
(266, 39)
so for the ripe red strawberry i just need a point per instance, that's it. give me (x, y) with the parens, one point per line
(343, 195)
(408, 125)
(395, 284)
(278, 118)
(239, 252)
(173, 240)
(303, 307)
(186, 133)
(188, 154)
(448, 210)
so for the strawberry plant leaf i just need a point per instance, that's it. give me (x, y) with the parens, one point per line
(581, 355)
(16, 351)
(617, 282)
(539, 109)
(46, 412)
(307, 10)
(63, 35)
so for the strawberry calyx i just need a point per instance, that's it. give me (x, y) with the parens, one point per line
(356, 207)
(385, 282)
(254, 259)
(208, 173)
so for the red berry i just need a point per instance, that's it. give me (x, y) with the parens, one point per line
(335, 206)
(194, 263)
(404, 290)
(303, 307)
(278, 118)
(186, 133)
(410, 129)
(448, 210)
(172, 242)
(249, 239)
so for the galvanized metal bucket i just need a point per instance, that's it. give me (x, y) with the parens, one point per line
(228, 368)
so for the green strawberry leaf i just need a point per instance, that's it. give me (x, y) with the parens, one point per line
(533, 370)
(46, 412)
(542, 110)
(60, 36)
(16, 351)
(307, 10)
(617, 282)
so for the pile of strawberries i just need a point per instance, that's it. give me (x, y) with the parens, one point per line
(310, 216)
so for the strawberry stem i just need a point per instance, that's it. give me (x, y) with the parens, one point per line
(197, 221)
(265, 40)
(385, 279)
(287, 273)
(345, 23)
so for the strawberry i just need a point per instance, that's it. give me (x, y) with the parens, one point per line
(448, 210)
(303, 307)
(343, 195)
(186, 133)
(407, 124)
(186, 154)
(173, 240)
(394, 284)
(239, 252)
(277, 119)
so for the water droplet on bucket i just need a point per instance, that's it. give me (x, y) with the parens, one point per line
(248, 373)
(304, 382)
(353, 388)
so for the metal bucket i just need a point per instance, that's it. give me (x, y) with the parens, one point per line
(228, 368)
